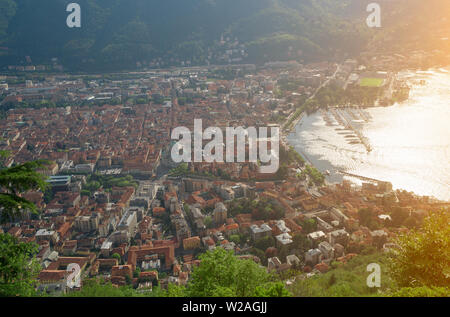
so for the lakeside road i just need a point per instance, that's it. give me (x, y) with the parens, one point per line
(284, 132)
(410, 140)
(324, 84)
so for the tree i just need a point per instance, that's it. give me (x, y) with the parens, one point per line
(309, 225)
(410, 222)
(98, 288)
(398, 216)
(235, 238)
(301, 242)
(220, 273)
(8, 11)
(216, 270)
(176, 290)
(332, 280)
(421, 292)
(260, 254)
(367, 218)
(248, 276)
(208, 222)
(265, 242)
(272, 290)
(117, 256)
(18, 267)
(423, 255)
(282, 172)
(16, 180)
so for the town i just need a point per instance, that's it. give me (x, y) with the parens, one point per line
(121, 209)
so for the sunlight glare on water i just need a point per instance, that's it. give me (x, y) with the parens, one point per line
(410, 141)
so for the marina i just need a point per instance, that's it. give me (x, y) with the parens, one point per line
(350, 120)
(407, 144)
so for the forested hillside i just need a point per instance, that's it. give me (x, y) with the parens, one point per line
(119, 33)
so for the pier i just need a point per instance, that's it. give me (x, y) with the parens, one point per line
(340, 118)
(359, 176)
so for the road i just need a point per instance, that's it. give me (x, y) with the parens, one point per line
(325, 83)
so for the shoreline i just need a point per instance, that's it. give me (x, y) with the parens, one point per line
(354, 178)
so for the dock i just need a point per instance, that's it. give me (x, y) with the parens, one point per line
(359, 176)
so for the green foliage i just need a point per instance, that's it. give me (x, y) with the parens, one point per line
(208, 222)
(265, 243)
(423, 256)
(308, 225)
(367, 217)
(175, 291)
(239, 206)
(346, 280)
(117, 256)
(272, 289)
(270, 30)
(180, 170)
(128, 279)
(398, 216)
(97, 288)
(301, 242)
(317, 177)
(423, 291)
(264, 209)
(7, 11)
(18, 267)
(97, 181)
(260, 254)
(16, 180)
(222, 274)
(371, 82)
(282, 172)
(235, 238)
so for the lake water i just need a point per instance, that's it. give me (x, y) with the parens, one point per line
(409, 143)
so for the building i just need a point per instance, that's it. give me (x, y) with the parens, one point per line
(209, 243)
(87, 223)
(53, 281)
(226, 193)
(106, 248)
(313, 256)
(273, 263)
(338, 215)
(283, 239)
(327, 250)
(293, 260)
(84, 168)
(260, 232)
(338, 236)
(47, 235)
(165, 251)
(120, 273)
(128, 222)
(280, 227)
(379, 238)
(316, 237)
(323, 225)
(220, 214)
(191, 243)
(69, 247)
(59, 183)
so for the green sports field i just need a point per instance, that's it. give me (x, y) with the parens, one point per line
(371, 82)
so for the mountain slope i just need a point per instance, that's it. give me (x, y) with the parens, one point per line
(115, 34)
